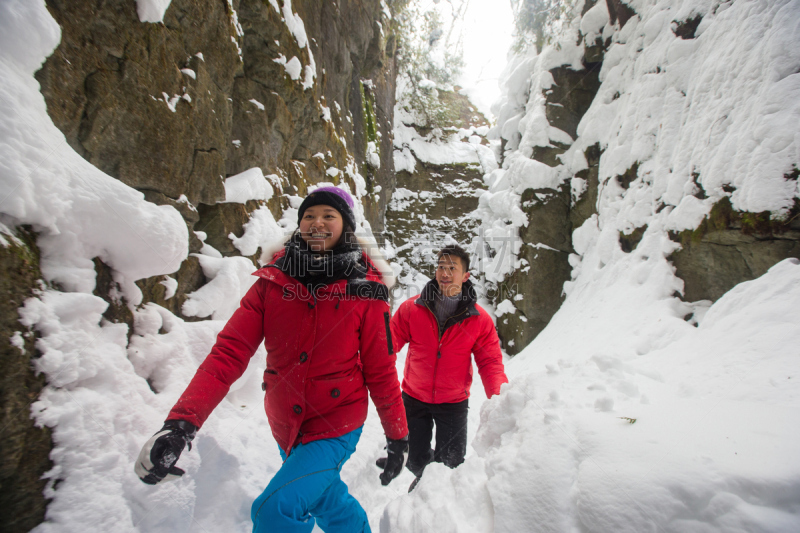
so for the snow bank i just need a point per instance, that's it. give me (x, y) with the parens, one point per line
(715, 410)
(227, 276)
(98, 401)
(79, 212)
(725, 109)
(622, 415)
(261, 231)
(248, 185)
(101, 409)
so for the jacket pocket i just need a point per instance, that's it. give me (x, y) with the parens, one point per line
(270, 382)
(326, 394)
(276, 395)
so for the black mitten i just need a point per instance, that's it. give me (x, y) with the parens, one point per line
(156, 461)
(395, 459)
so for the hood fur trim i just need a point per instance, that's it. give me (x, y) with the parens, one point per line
(370, 247)
(268, 253)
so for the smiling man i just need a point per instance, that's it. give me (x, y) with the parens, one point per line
(444, 327)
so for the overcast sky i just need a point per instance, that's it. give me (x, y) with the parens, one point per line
(487, 38)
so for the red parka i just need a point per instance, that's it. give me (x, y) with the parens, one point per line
(324, 351)
(438, 366)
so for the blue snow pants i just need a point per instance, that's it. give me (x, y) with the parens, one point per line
(307, 488)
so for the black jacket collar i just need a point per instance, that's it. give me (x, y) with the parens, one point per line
(466, 306)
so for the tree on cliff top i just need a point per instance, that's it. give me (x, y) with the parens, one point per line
(538, 22)
(430, 57)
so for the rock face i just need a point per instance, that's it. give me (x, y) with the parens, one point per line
(24, 449)
(436, 201)
(730, 247)
(433, 202)
(110, 82)
(536, 289)
(172, 109)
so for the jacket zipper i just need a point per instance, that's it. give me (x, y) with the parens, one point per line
(438, 352)
(439, 348)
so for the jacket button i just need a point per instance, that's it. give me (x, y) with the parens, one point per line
(298, 409)
(439, 355)
(335, 393)
(263, 386)
(303, 357)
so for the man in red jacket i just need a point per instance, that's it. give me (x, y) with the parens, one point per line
(444, 327)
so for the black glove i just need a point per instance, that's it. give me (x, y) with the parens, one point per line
(157, 459)
(395, 460)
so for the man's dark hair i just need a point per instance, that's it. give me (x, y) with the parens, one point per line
(455, 250)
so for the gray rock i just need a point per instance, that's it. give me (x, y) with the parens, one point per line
(584, 207)
(552, 216)
(547, 243)
(190, 277)
(570, 96)
(540, 282)
(445, 197)
(730, 247)
(24, 448)
(105, 88)
(220, 220)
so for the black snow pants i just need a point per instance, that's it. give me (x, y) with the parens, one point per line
(451, 433)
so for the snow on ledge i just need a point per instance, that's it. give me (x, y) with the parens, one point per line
(152, 10)
(450, 151)
(248, 185)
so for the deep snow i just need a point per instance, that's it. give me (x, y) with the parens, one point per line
(715, 406)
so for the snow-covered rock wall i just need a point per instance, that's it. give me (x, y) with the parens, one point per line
(439, 176)
(689, 134)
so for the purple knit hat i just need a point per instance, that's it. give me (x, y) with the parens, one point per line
(336, 198)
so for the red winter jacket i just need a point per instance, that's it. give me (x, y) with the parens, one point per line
(324, 352)
(439, 367)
